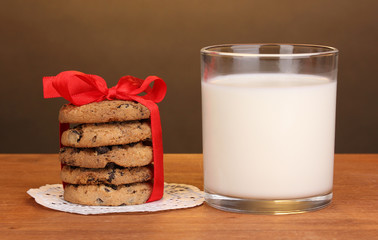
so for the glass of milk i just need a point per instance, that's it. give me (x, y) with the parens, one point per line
(268, 115)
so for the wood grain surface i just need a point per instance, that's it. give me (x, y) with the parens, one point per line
(353, 213)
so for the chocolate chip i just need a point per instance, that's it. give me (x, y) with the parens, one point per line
(102, 150)
(107, 189)
(78, 133)
(90, 179)
(99, 200)
(94, 139)
(110, 165)
(114, 187)
(125, 105)
(123, 204)
(62, 150)
(111, 176)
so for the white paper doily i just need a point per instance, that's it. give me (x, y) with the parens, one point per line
(176, 196)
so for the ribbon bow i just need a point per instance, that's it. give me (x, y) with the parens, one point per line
(80, 88)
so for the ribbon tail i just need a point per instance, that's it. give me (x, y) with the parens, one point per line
(157, 147)
(157, 142)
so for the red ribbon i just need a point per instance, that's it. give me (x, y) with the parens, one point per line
(80, 88)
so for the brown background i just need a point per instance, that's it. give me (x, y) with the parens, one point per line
(141, 38)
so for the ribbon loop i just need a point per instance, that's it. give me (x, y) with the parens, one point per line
(78, 88)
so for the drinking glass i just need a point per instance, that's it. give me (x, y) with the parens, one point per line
(268, 116)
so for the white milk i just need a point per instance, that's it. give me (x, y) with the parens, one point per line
(268, 136)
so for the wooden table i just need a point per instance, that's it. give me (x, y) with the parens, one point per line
(353, 213)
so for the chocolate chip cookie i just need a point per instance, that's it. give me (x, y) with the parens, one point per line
(105, 111)
(106, 134)
(108, 195)
(131, 155)
(110, 175)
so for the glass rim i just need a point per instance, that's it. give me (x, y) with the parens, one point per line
(327, 50)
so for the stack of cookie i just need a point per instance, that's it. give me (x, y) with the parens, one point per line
(107, 153)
